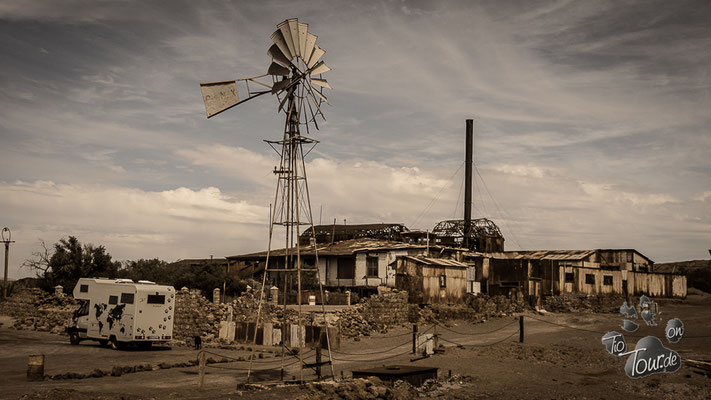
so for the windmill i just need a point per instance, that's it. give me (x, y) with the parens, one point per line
(295, 77)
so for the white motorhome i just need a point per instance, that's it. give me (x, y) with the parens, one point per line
(120, 311)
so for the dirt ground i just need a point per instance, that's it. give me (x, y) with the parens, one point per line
(562, 357)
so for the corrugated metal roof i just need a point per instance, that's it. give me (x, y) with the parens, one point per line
(439, 262)
(540, 254)
(342, 248)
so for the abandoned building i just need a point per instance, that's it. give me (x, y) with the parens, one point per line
(553, 272)
(467, 254)
(431, 280)
(361, 264)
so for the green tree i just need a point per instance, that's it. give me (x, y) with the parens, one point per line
(69, 261)
(154, 270)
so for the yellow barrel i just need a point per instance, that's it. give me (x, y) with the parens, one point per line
(35, 367)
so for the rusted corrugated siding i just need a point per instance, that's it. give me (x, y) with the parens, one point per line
(455, 288)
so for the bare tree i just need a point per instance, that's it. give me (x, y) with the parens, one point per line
(39, 262)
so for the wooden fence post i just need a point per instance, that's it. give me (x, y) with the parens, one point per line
(520, 329)
(318, 360)
(201, 369)
(435, 340)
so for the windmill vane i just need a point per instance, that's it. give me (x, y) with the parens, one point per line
(296, 72)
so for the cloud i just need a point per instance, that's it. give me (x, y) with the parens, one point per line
(132, 223)
(520, 170)
(591, 120)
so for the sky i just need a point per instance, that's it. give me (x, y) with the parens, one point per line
(591, 122)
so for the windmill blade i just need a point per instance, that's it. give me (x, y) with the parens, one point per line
(319, 68)
(321, 82)
(315, 56)
(275, 53)
(294, 29)
(278, 39)
(277, 69)
(280, 85)
(286, 34)
(309, 47)
(316, 103)
(303, 31)
(313, 116)
(219, 96)
(320, 95)
(288, 94)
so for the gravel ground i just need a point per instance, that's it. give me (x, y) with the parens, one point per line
(562, 357)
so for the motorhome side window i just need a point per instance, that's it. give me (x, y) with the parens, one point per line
(156, 299)
(127, 298)
(113, 299)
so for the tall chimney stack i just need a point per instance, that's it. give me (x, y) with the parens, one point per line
(468, 182)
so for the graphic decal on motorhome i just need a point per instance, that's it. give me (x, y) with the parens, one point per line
(115, 315)
(100, 308)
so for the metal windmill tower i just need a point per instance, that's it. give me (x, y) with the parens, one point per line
(295, 70)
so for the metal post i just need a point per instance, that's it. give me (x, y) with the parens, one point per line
(414, 338)
(7, 240)
(4, 286)
(468, 183)
(520, 329)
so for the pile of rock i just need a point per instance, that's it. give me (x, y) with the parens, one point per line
(374, 314)
(195, 315)
(385, 310)
(35, 309)
(586, 303)
(352, 324)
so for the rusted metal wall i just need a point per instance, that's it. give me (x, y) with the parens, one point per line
(456, 284)
(638, 283)
(422, 282)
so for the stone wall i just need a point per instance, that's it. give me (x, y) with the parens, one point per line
(35, 309)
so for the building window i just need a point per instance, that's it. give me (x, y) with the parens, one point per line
(83, 288)
(590, 279)
(630, 256)
(346, 268)
(442, 281)
(372, 266)
(569, 277)
(127, 298)
(607, 280)
(113, 299)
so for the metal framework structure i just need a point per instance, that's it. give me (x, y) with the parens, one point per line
(296, 67)
(335, 233)
(454, 232)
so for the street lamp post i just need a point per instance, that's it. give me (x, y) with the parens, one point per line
(7, 240)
